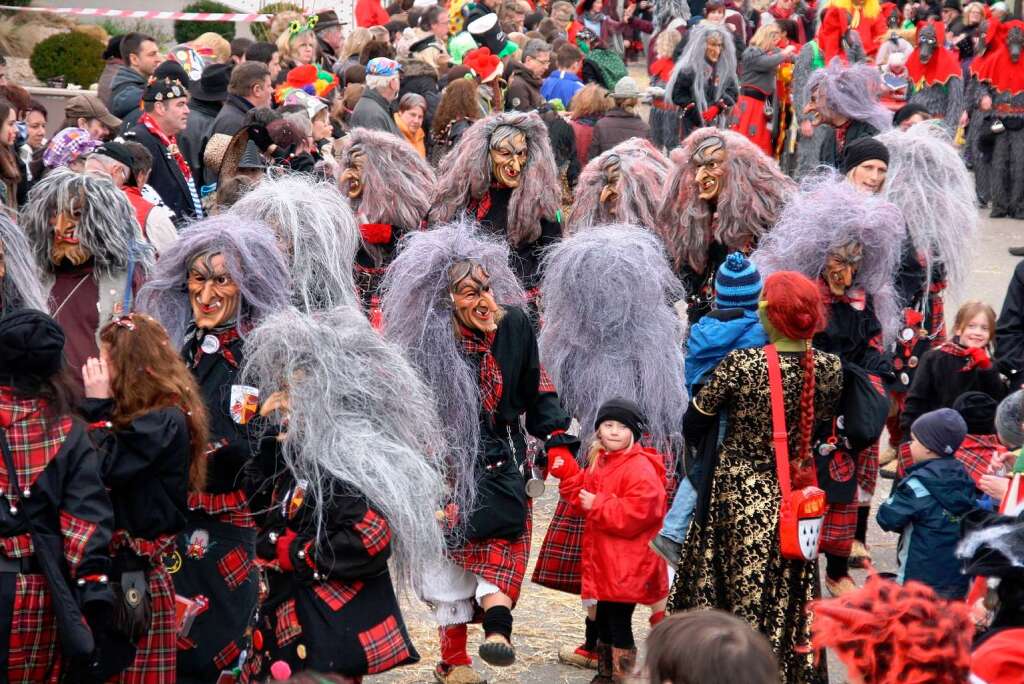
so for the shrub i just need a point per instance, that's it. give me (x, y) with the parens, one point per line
(74, 55)
(184, 31)
(261, 30)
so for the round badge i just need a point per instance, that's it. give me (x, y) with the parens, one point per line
(840, 422)
(904, 379)
(210, 344)
(172, 562)
(912, 362)
(907, 334)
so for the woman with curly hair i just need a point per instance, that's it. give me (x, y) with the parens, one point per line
(456, 112)
(732, 560)
(588, 105)
(148, 422)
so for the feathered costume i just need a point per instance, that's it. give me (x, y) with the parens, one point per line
(622, 185)
(609, 332)
(353, 485)
(697, 233)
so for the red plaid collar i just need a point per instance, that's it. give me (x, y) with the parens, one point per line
(491, 380)
(855, 296)
(224, 338)
(35, 439)
(977, 357)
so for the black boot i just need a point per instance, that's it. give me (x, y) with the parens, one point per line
(605, 666)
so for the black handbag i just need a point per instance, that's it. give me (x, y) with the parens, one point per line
(864, 407)
(133, 605)
(500, 508)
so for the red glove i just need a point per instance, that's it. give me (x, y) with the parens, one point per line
(710, 113)
(980, 358)
(562, 453)
(283, 547)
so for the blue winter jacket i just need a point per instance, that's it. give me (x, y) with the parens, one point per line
(561, 85)
(925, 507)
(717, 334)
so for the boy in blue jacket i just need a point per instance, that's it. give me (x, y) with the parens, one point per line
(733, 324)
(926, 506)
(563, 83)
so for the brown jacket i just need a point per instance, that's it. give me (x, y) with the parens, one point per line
(523, 89)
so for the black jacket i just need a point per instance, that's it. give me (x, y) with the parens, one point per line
(525, 258)
(1010, 329)
(855, 337)
(145, 466)
(832, 154)
(166, 178)
(563, 144)
(201, 117)
(683, 96)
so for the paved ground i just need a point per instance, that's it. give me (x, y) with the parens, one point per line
(546, 619)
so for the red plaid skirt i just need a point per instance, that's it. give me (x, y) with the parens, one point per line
(867, 469)
(33, 654)
(499, 561)
(558, 564)
(156, 658)
(838, 528)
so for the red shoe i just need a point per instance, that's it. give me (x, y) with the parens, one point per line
(578, 657)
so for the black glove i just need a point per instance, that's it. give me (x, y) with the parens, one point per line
(113, 653)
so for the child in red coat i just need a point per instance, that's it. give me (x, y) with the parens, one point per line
(621, 495)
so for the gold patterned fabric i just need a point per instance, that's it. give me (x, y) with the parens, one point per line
(732, 561)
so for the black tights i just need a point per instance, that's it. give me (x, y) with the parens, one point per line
(615, 623)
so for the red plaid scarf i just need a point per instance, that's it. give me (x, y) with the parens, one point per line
(490, 373)
(854, 296)
(170, 143)
(225, 338)
(35, 439)
(977, 357)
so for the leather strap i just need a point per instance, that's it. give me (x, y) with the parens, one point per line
(780, 439)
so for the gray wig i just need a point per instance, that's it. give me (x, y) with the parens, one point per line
(827, 214)
(643, 169)
(393, 164)
(313, 223)
(20, 288)
(692, 61)
(251, 256)
(667, 10)
(465, 175)
(418, 317)
(851, 91)
(609, 330)
(358, 415)
(108, 227)
(930, 184)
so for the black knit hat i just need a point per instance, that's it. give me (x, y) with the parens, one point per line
(624, 411)
(31, 344)
(163, 89)
(979, 412)
(861, 150)
(941, 431)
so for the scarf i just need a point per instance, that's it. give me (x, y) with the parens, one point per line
(170, 143)
(491, 381)
(977, 357)
(223, 336)
(854, 296)
(35, 440)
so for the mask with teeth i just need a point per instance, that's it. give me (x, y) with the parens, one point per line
(212, 292)
(469, 287)
(709, 158)
(610, 192)
(66, 245)
(351, 182)
(509, 154)
(841, 268)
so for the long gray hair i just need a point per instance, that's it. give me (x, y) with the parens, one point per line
(827, 214)
(358, 415)
(609, 330)
(465, 174)
(851, 91)
(692, 61)
(315, 226)
(930, 184)
(108, 227)
(251, 256)
(643, 169)
(20, 287)
(418, 318)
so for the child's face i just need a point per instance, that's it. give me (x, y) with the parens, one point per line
(919, 452)
(976, 332)
(614, 436)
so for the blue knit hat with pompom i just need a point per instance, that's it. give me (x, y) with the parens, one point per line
(737, 283)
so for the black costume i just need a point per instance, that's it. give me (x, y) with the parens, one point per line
(683, 97)
(376, 252)
(213, 561)
(833, 145)
(166, 178)
(1010, 330)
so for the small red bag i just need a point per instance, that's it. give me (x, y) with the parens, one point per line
(802, 511)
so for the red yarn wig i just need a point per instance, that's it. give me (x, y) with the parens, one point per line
(890, 634)
(794, 308)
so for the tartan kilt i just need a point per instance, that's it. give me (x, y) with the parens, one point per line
(559, 565)
(156, 653)
(838, 528)
(867, 469)
(33, 651)
(499, 561)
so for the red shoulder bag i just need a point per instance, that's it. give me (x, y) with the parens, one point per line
(801, 512)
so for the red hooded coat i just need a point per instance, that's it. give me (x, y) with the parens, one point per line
(618, 564)
(943, 65)
(998, 69)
